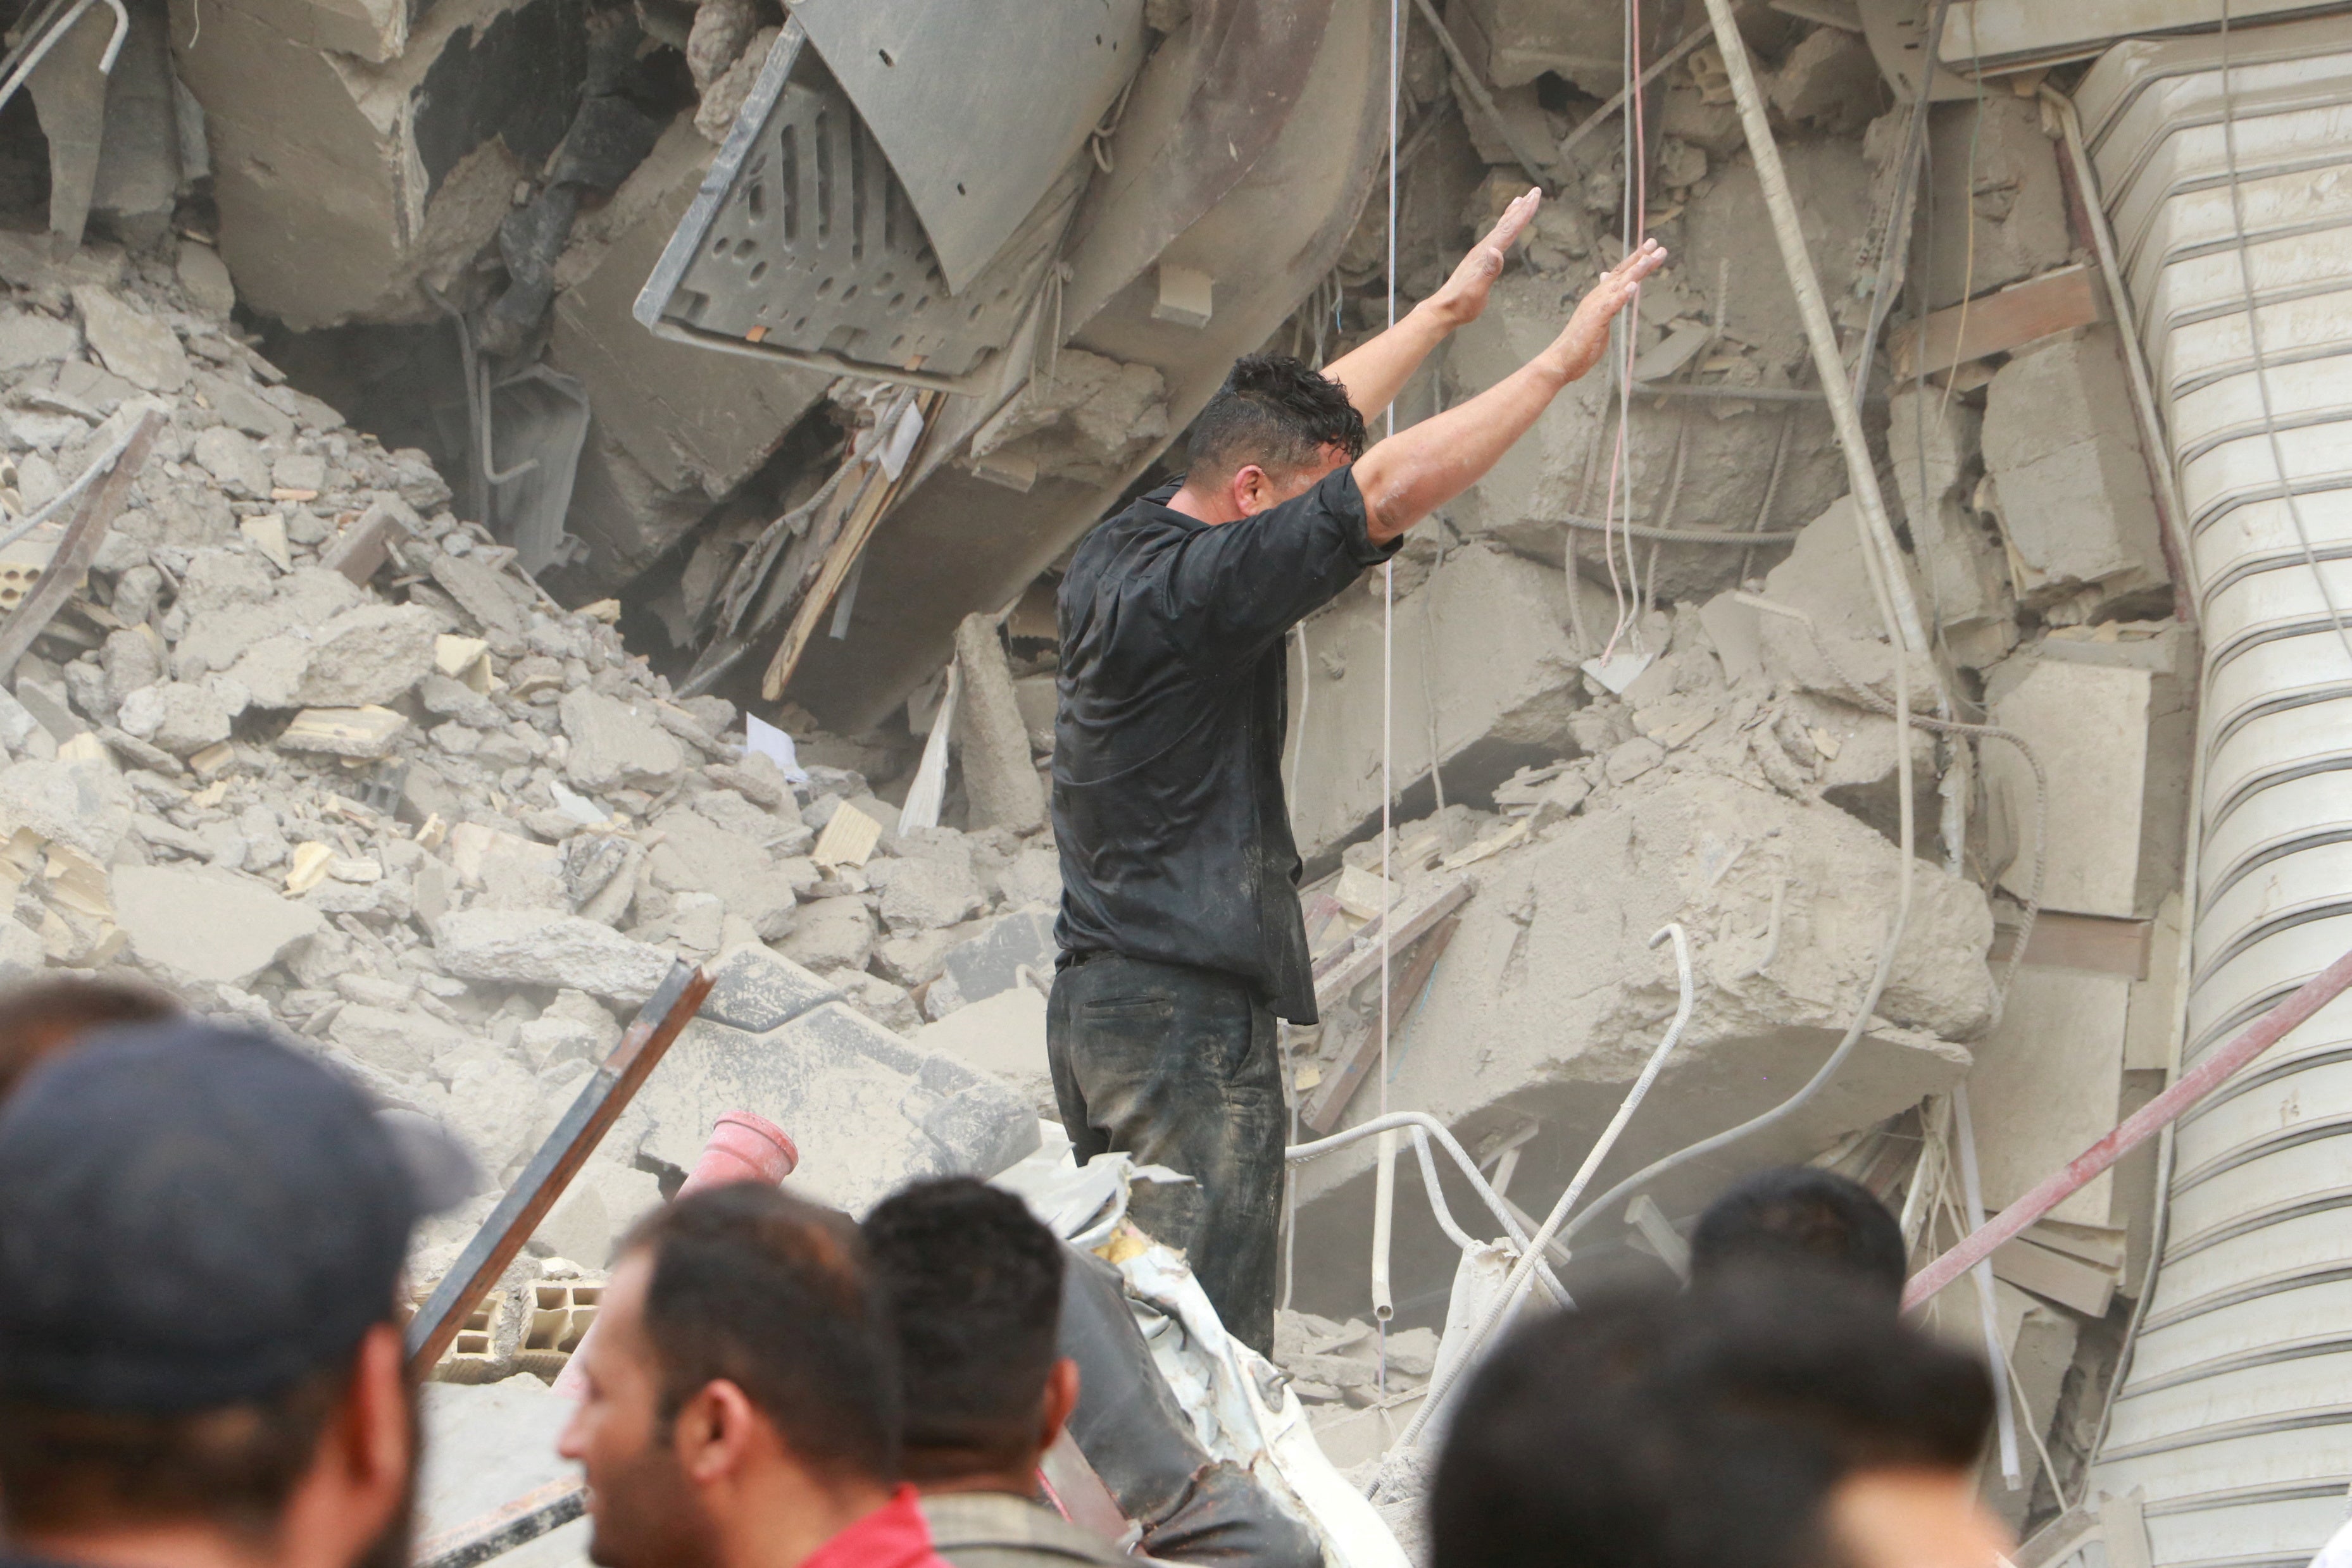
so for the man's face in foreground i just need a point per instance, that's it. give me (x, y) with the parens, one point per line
(644, 1512)
(1914, 1519)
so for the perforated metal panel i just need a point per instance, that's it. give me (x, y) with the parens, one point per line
(803, 244)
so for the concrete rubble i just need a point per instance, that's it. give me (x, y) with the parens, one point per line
(460, 826)
(443, 831)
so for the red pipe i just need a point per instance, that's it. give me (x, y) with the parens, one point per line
(741, 1148)
(2194, 1085)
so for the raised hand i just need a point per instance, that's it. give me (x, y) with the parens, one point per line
(1464, 293)
(1582, 341)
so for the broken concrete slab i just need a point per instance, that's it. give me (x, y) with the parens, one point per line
(993, 961)
(2089, 722)
(374, 653)
(758, 991)
(2070, 482)
(396, 1042)
(2048, 1083)
(925, 895)
(542, 947)
(677, 427)
(199, 924)
(138, 347)
(1827, 577)
(835, 932)
(1489, 630)
(1545, 1003)
(1003, 1035)
(868, 1111)
(1966, 572)
(697, 856)
(615, 744)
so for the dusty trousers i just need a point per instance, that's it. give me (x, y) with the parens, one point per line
(1181, 1067)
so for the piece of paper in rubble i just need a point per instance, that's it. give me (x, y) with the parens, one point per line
(774, 745)
(1620, 672)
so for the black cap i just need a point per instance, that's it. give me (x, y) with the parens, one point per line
(192, 1217)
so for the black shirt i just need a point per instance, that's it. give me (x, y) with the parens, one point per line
(1167, 803)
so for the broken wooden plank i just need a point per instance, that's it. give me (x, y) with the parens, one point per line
(1998, 322)
(1340, 972)
(2100, 943)
(844, 552)
(93, 515)
(1331, 1096)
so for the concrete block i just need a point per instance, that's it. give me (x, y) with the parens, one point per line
(2049, 1082)
(201, 925)
(869, 1110)
(2090, 725)
(1502, 680)
(697, 856)
(2064, 461)
(925, 895)
(397, 1041)
(1995, 173)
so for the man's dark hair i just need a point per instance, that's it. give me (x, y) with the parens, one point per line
(235, 1468)
(1689, 1431)
(775, 1296)
(38, 1017)
(1804, 1218)
(975, 1287)
(1276, 412)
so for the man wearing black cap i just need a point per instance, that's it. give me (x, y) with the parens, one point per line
(200, 1240)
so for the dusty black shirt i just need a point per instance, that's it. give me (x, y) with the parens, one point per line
(1168, 804)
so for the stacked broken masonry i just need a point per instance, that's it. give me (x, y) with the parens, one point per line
(305, 750)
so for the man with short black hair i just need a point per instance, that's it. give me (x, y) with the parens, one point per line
(1180, 934)
(1785, 1424)
(742, 1403)
(975, 1289)
(200, 1240)
(1805, 1219)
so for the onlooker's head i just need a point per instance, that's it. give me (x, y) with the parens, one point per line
(1781, 1425)
(742, 1385)
(1804, 1218)
(202, 1234)
(1272, 431)
(975, 1289)
(42, 1015)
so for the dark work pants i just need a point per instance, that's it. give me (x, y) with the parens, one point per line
(1180, 1067)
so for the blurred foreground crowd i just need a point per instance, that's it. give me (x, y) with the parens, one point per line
(201, 1235)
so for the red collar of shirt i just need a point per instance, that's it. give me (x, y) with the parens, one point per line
(892, 1536)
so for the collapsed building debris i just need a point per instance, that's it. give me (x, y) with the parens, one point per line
(347, 740)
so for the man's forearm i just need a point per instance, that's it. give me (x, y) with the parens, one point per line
(1376, 372)
(1421, 468)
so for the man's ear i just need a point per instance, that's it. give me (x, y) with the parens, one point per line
(713, 1431)
(1250, 490)
(1061, 1398)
